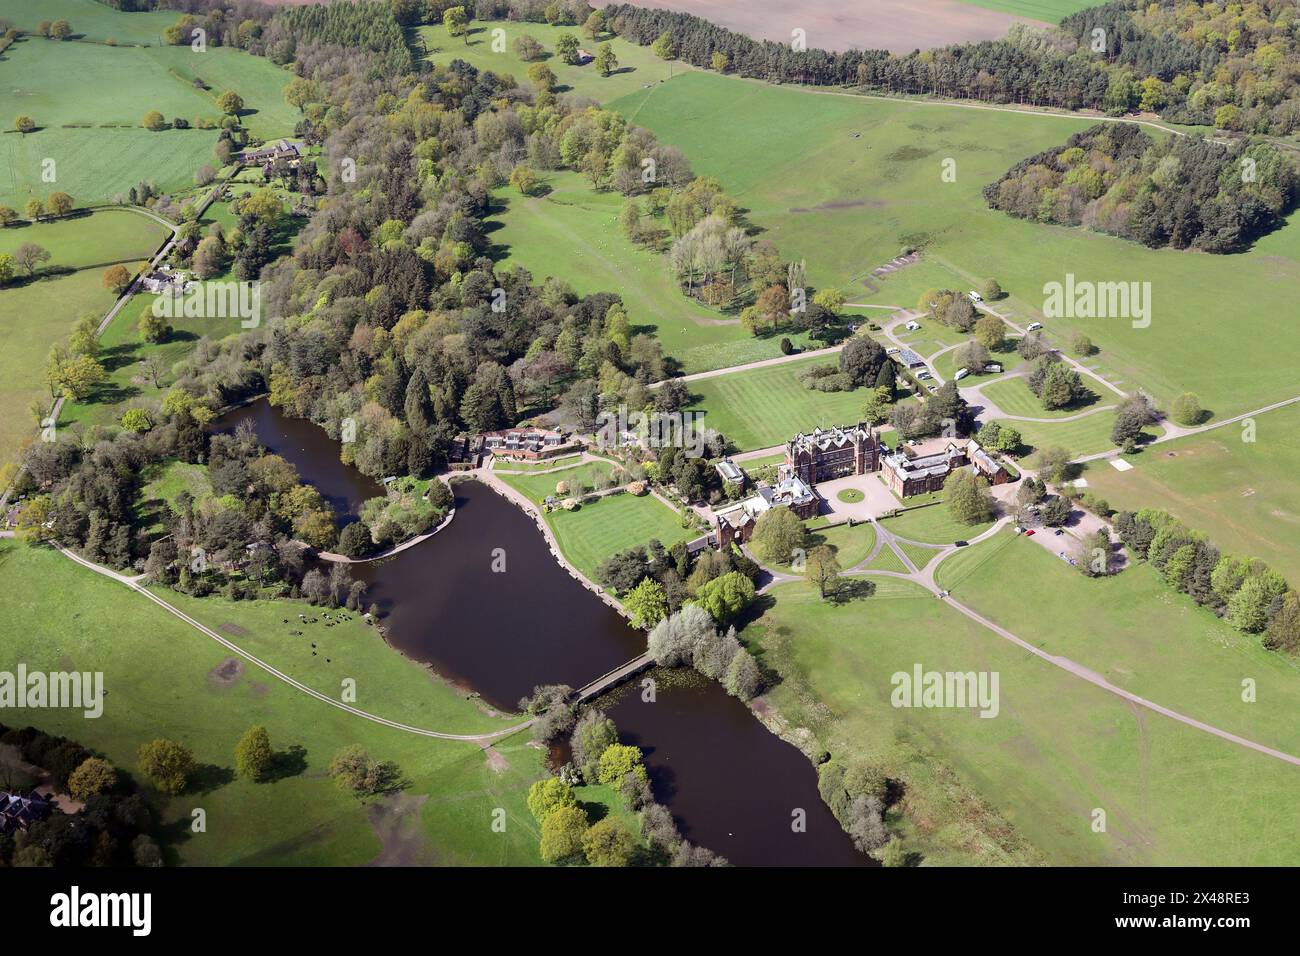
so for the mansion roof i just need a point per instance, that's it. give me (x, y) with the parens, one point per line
(830, 439)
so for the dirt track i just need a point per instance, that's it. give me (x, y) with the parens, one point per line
(897, 25)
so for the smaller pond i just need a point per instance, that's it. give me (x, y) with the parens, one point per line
(306, 446)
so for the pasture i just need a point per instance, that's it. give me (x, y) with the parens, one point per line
(1242, 494)
(90, 19)
(122, 353)
(762, 407)
(572, 233)
(845, 181)
(1142, 636)
(1058, 747)
(36, 314)
(1047, 11)
(165, 679)
(637, 66)
(99, 165)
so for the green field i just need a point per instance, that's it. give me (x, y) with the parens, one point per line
(539, 487)
(1048, 11)
(122, 353)
(611, 524)
(767, 406)
(88, 100)
(36, 315)
(1013, 396)
(946, 367)
(637, 67)
(1083, 436)
(572, 233)
(932, 525)
(90, 19)
(1058, 748)
(160, 680)
(99, 165)
(851, 545)
(1241, 494)
(1141, 636)
(844, 182)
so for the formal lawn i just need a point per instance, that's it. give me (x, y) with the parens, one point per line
(851, 545)
(539, 487)
(887, 560)
(507, 465)
(572, 233)
(932, 525)
(1058, 748)
(845, 182)
(162, 679)
(1242, 494)
(35, 315)
(611, 524)
(1013, 396)
(637, 68)
(1083, 436)
(761, 407)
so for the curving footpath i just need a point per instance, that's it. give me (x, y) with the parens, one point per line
(926, 579)
(133, 584)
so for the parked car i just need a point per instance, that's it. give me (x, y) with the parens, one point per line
(893, 351)
(1033, 326)
(1060, 531)
(993, 367)
(1030, 533)
(933, 388)
(975, 296)
(913, 326)
(923, 374)
(960, 544)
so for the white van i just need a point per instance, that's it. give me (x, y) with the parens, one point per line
(993, 367)
(1033, 326)
(961, 373)
(892, 351)
(913, 326)
(975, 297)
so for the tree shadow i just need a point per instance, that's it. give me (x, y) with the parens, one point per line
(852, 589)
(287, 763)
(209, 777)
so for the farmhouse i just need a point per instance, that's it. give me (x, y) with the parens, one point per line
(736, 523)
(832, 453)
(19, 812)
(270, 152)
(530, 443)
